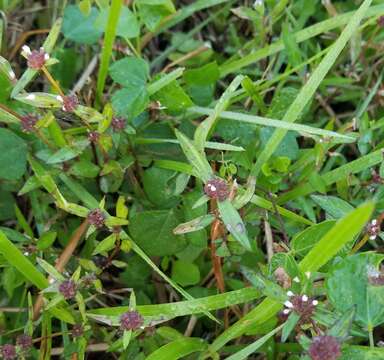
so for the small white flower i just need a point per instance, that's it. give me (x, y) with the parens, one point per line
(46, 56)
(286, 311)
(296, 279)
(288, 304)
(308, 274)
(51, 280)
(26, 253)
(31, 97)
(213, 187)
(372, 237)
(315, 302)
(289, 293)
(12, 74)
(26, 49)
(374, 222)
(59, 98)
(304, 298)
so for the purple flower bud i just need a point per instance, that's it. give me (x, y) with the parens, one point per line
(77, 330)
(70, 103)
(131, 320)
(8, 352)
(303, 306)
(36, 59)
(68, 289)
(380, 21)
(93, 136)
(24, 341)
(28, 122)
(118, 124)
(96, 218)
(324, 348)
(217, 189)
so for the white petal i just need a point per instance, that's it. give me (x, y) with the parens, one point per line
(26, 49)
(286, 311)
(289, 293)
(372, 237)
(296, 279)
(60, 98)
(315, 302)
(288, 304)
(304, 298)
(46, 57)
(374, 222)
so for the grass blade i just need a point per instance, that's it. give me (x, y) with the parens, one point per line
(110, 34)
(340, 234)
(310, 87)
(300, 36)
(250, 349)
(15, 258)
(178, 349)
(258, 120)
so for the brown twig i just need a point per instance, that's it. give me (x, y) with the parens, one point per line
(186, 57)
(62, 261)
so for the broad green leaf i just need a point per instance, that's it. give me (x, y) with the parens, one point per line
(178, 349)
(16, 259)
(130, 71)
(332, 205)
(348, 285)
(153, 11)
(185, 273)
(153, 232)
(127, 27)
(304, 241)
(130, 101)
(233, 222)
(13, 155)
(80, 28)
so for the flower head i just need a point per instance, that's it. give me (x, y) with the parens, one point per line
(301, 305)
(131, 320)
(68, 289)
(373, 229)
(77, 330)
(217, 189)
(36, 59)
(28, 122)
(70, 102)
(324, 348)
(118, 123)
(93, 136)
(8, 352)
(96, 218)
(24, 341)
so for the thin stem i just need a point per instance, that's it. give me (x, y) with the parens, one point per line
(53, 82)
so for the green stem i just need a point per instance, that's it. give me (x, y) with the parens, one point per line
(110, 34)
